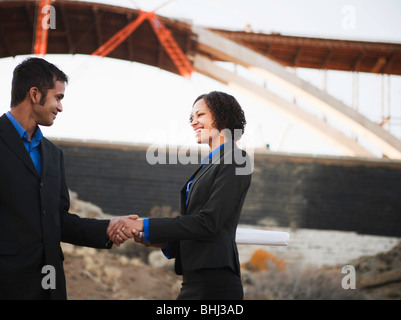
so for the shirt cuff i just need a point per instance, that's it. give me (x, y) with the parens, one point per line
(146, 229)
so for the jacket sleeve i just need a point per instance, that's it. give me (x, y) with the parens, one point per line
(227, 190)
(170, 251)
(76, 230)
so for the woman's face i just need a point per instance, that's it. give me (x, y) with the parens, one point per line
(202, 122)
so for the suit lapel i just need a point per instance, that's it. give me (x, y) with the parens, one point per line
(10, 137)
(184, 188)
(218, 158)
(226, 151)
(44, 156)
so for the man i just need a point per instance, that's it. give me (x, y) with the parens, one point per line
(34, 199)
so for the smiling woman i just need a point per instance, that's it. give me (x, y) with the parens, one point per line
(203, 123)
(202, 238)
(218, 111)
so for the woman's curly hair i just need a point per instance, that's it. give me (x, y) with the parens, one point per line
(226, 111)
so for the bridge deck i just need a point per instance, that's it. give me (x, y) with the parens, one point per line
(82, 27)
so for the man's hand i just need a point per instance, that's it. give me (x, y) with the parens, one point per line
(133, 228)
(119, 224)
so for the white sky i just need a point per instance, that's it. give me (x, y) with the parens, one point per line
(113, 100)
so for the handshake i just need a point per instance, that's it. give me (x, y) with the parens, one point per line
(123, 228)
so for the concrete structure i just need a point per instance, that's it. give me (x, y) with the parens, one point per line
(228, 50)
(287, 191)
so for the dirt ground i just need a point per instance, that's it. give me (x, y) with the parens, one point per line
(123, 275)
(103, 275)
(132, 272)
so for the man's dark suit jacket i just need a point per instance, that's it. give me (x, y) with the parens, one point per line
(34, 218)
(203, 236)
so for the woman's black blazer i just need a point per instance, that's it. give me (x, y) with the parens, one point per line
(203, 236)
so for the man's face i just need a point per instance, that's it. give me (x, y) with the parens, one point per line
(46, 113)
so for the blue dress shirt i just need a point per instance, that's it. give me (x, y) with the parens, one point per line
(31, 146)
(204, 161)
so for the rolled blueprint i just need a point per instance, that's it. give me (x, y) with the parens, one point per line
(262, 237)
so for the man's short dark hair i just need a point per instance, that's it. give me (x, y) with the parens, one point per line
(34, 72)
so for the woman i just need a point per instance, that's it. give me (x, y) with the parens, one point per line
(202, 238)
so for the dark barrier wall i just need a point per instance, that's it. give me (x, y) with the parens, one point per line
(329, 193)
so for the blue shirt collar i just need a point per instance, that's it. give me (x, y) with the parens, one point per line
(206, 160)
(37, 136)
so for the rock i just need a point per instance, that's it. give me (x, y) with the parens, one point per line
(111, 275)
(381, 279)
(158, 260)
(84, 209)
(379, 276)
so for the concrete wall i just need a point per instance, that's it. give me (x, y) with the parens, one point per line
(287, 191)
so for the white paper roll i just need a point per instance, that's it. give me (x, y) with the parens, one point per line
(262, 237)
